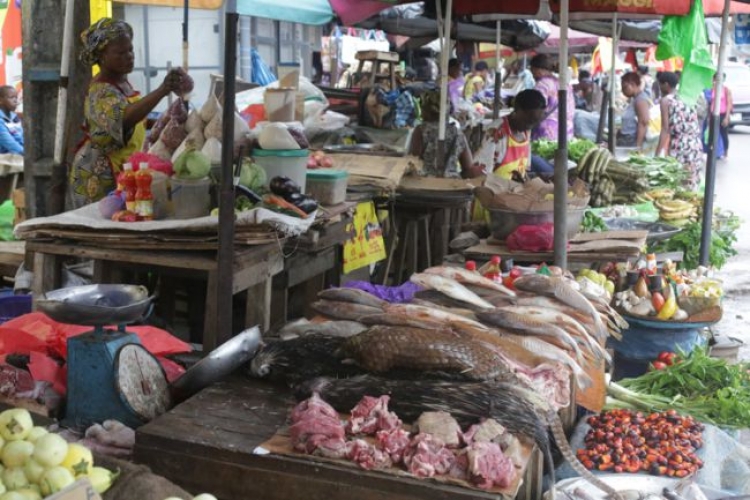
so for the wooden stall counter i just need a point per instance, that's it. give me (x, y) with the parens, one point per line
(207, 444)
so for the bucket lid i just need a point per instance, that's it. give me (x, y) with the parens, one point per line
(326, 174)
(288, 153)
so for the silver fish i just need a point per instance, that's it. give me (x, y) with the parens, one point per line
(507, 318)
(304, 327)
(469, 278)
(449, 287)
(352, 295)
(558, 288)
(343, 310)
(430, 314)
(392, 319)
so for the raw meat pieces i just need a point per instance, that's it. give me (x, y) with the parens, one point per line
(486, 431)
(394, 442)
(488, 466)
(427, 456)
(371, 415)
(316, 425)
(441, 425)
(366, 455)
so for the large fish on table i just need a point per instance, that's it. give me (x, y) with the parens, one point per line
(450, 287)
(467, 277)
(562, 291)
(430, 314)
(384, 348)
(392, 319)
(521, 323)
(573, 327)
(344, 310)
(304, 327)
(353, 295)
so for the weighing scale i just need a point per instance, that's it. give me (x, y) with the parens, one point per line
(110, 374)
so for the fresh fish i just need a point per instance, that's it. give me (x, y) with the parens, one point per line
(574, 328)
(384, 348)
(303, 327)
(507, 318)
(443, 300)
(466, 313)
(469, 278)
(352, 295)
(344, 310)
(558, 288)
(552, 353)
(430, 314)
(451, 288)
(392, 319)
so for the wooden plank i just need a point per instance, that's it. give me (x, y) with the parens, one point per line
(206, 444)
(258, 305)
(610, 235)
(484, 250)
(301, 267)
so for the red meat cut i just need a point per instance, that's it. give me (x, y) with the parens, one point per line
(366, 455)
(371, 415)
(314, 405)
(316, 425)
(427, 456)
(394, 443)
(488, 466)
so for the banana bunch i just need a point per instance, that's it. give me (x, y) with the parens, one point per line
(675, 210)
(659, 194)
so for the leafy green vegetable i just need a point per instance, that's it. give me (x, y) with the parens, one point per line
(544, 148)
(709, 389)
(592, 223)
(252, 175)
(192, 164)
(576, 148)
(723, 238)
(663, 172)
(243, 203)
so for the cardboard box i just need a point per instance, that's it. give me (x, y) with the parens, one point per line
(19, 202)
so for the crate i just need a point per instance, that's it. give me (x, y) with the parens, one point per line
(19, 202)
(13, 306)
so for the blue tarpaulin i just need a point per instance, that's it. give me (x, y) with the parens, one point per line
(300, 11)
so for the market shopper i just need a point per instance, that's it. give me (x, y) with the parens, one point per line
(476, 82)
(424, 143)
(726, 105)
(455, 82)
(114, 111)
(635, 118)
(11, 128)
(680, 129)
(548, 85)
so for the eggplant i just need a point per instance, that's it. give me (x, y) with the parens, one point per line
(306, 203)
(283, 186)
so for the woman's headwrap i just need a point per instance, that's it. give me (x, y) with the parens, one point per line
(99, 34)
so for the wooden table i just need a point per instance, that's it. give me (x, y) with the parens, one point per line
(254, 268)
(207, 443)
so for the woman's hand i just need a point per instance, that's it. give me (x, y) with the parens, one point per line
(725, 121)
(171, 82)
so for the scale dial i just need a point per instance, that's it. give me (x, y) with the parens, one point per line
(141, 382)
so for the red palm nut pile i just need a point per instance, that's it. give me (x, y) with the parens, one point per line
(662, 444)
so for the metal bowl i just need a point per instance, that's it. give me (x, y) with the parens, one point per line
(219, 363)
(625, 482)
(657, 231)
(94, 305)
(504, 222)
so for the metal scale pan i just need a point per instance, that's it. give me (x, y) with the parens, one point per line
(96, 305)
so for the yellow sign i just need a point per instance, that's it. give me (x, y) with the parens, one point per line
(367, 245)
(193, 4)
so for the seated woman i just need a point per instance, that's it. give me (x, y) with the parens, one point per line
(457, 159)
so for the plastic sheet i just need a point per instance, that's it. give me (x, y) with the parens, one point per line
(532, 238)
(394, 294)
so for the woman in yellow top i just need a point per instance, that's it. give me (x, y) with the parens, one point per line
(476, 81)
(506, 151)
(115, 113)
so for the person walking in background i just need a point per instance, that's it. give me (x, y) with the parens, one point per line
(726, 105)
(549, 85)
(455, 82)
(11, 129)
(476, 81)
(680, 129)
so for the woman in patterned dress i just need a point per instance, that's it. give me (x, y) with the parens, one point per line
(115, 113)
(680, 130)
(549, 85)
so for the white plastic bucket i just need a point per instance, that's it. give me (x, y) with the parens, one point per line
(280, 104)
(290, 163)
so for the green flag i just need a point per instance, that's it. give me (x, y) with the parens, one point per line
(685, 37)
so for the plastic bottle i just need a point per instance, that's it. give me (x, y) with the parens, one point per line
(127, 179)
(493, 270)
(471, 266)
(144, 200)
(651, 263)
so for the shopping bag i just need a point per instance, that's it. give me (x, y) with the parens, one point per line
(366, 245)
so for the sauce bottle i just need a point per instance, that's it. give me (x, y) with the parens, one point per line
(493, 269)
(144, 200)
(127, 179)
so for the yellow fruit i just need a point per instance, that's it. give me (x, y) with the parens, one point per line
(79, 459)
(669, 308)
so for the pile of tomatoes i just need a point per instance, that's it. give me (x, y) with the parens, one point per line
(662, 444)
(665, 359)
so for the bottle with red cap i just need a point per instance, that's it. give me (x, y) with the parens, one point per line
(471, 266)
(126, 182)
(144, 200)
(493, 269)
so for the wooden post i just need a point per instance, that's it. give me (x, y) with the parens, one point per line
(43, 22)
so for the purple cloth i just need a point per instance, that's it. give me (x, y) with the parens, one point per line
(549, 86)
(394, 294)
(455, 91)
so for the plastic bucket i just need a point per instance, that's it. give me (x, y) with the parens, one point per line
(160, 192)
(643, 340)
(191, 197)
(290, 163)
(280, 104)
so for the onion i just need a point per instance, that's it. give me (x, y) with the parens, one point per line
(327, 162)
